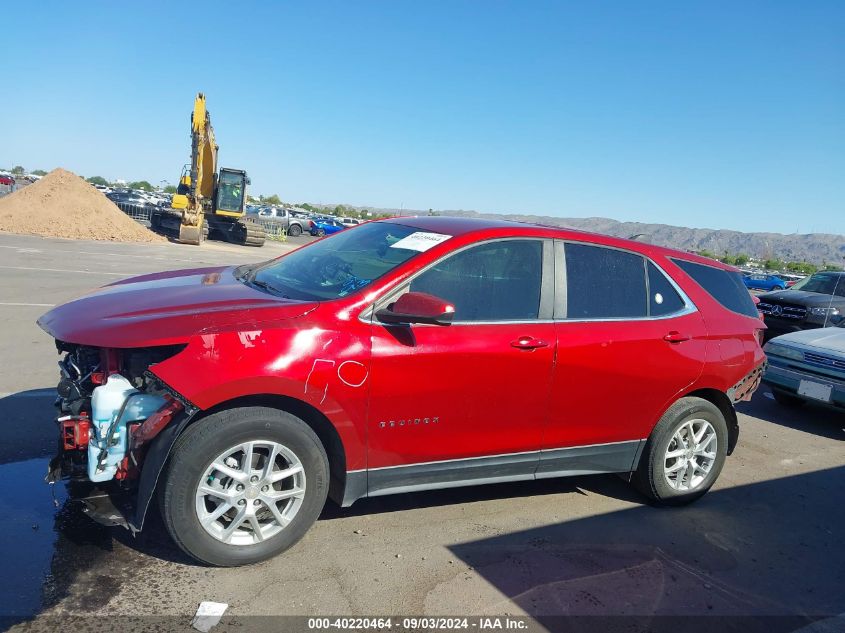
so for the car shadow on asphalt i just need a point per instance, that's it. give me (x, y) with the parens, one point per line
(607, 485)
(809, 418)
(771, 550)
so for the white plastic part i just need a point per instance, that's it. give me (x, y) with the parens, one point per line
(208, 615)
(106, 403)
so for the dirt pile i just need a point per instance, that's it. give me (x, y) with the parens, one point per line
(62, 204)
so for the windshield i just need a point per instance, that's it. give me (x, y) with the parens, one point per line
(337, 266)
(823, 283)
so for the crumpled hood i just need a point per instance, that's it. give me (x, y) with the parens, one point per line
(166, 308)
(830, 339)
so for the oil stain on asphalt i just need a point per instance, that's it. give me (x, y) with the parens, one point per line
(47, 541)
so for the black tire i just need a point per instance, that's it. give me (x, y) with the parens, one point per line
(201, 443)
(321, 232)
(295, 230)
(650, 479)
(788, 400)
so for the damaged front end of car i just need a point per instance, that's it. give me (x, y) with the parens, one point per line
(116, 423)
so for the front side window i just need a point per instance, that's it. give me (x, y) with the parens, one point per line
(604, 283)
(496, 281)
(338, 265)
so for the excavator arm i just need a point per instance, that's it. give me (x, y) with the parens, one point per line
(200, 186)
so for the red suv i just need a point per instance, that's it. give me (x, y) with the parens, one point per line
(400, 355)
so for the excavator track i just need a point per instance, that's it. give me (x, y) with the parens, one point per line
(240, 231)
(254, 234)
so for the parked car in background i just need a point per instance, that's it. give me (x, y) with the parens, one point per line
(815, 302)
(808, 366)
(760, 281)
(293, 224)
(791, 280)
(384, 360)
(128, 197)
(9, 181)
(325, 226)
(349, 222)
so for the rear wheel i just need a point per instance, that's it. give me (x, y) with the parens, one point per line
(787, 400)
(295, 230)
(243, 485)
(684, 454)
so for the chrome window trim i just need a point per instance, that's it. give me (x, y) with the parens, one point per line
(562, 289)
(547, 284)
(559, 291)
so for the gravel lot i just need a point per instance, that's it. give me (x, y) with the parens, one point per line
(766, 541)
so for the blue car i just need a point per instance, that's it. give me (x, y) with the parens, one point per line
(764, 282)
(325, 226)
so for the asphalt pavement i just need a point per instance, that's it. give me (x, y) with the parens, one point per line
(767, 540)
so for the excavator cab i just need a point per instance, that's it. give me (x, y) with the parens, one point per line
(231, 192)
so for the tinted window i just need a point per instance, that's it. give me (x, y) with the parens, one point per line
(724, 286)
(604, 283)
(497, 281)
(826, 284)
(662, 297)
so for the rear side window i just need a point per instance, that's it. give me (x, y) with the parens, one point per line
(604, 283)
(663, 299)
(724, 286)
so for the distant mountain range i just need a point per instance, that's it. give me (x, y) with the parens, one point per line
(817, 248)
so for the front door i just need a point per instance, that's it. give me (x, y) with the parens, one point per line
(467, 401)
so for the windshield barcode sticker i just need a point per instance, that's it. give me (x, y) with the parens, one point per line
(420, 241)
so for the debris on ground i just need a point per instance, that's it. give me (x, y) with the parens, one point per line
(61, 204)
(208, 615)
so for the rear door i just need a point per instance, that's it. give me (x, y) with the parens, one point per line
(628, 341)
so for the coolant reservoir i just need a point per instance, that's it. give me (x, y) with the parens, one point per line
(106, 403)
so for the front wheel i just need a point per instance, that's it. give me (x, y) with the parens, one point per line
(684, 454)
(243, 485)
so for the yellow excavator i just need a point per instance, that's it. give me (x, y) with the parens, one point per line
(208, 204)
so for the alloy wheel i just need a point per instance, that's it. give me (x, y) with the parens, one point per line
(690, 455)
(250, 492)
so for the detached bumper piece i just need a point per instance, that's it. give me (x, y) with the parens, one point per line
(745, 388)
(109, 509)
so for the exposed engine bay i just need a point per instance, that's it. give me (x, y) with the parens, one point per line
(110, 409)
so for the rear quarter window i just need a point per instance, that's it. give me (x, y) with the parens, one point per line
(724, 286)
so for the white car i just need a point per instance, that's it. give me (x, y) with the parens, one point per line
(347, 222)
(808, 366)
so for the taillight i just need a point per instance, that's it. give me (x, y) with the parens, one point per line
(759, 334)
(311, 224)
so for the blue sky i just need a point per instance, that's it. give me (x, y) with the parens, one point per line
(708, 114)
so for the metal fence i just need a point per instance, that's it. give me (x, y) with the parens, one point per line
(274, 230)
(137, 212)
